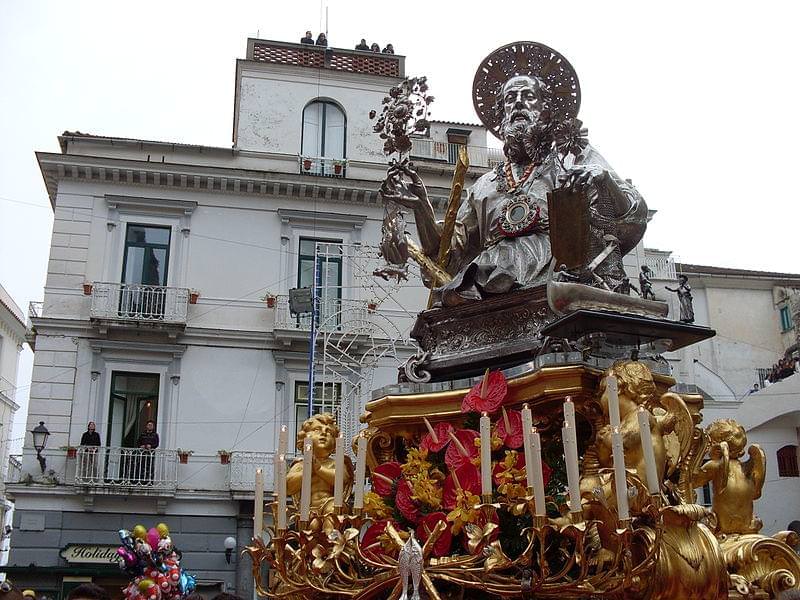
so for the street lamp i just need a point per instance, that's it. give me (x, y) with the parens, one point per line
(40, 435)
(230, 544)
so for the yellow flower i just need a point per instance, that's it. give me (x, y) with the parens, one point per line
(465, 510)
(416, 462)
(426, 491)
(375, 506)
(511, 481)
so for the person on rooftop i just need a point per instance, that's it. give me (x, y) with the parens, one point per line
(388, 50)
(322, 40)
(307, 39)
(362, 45)
(375, 47)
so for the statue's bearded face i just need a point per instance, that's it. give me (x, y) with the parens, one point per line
(523, 103)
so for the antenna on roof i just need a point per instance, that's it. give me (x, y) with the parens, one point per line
(326, 21)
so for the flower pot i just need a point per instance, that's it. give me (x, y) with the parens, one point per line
(87, 289)
(372, 306)
(183, 457)
(72, 452)
(224, 459)
(193, 296)
(271, 301)
(337, 169)
(307, 164)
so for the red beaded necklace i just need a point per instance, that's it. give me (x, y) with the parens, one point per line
(512, 183)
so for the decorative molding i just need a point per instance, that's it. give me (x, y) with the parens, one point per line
(148, 206)
(329, 221)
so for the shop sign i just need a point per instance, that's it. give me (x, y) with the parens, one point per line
(96, 554)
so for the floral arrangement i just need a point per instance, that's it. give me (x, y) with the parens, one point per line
(439, 481)
(154, 564)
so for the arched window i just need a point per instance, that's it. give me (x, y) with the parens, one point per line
(787, 462)
(324, 135)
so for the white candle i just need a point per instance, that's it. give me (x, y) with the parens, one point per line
(569, 436)
(613, 400)
(653, 483)
(338, 481)
(527, 424)
(283, 440)
(305, 488)
(280, 483)
(258, 508)
(538, 476)
(361, 472)
(620, 483)
(486, 455)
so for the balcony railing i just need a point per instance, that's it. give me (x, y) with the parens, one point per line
(446, 152)
(14, 472)
(34, 311)
(335, 314)
(143, 303)
(127, 469)
(663, 267)
(243, 470)
(322, 167)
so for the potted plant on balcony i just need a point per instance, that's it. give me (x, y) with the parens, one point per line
(337, 167)
(270, 300)
(372, 306)
(224, 456)
(307, 164)
(72, 451)
(87, 289)
(183, 455)
(193, 296)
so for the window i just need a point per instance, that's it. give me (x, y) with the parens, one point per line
(324, 137)
(134, 401)
(329, 263)
(327, 398)
(786, 319)
(787, 462)
(144, 272)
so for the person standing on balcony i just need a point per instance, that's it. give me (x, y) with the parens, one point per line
(362, 45)
(388, 50)
(322, 40)
(308, 39)
(375, 47)
(90, 440)
(147, 442)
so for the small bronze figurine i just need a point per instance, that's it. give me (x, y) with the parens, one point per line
(684, 292)
(645, 284)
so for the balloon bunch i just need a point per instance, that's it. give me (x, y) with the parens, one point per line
(154, 563)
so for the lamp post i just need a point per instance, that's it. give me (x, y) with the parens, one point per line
(230, 545)
(40, 435)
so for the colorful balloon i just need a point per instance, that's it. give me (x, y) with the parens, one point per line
(126, 538)
(153, 537)
(140, 532)
(162, 529)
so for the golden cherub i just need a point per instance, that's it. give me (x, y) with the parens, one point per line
(736, 485)
(670, 426)
(323, 431)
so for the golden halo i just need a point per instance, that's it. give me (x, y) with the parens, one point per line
(525, 58)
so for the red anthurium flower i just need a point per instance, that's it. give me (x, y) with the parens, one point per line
(442, 432)
(487, 395)
(383, 478)
(371, 544)
(469, 478)
(463, 450)
(427, 524)
(405, 503)
(509, 429)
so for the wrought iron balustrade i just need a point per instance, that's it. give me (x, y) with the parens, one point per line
(663, 267)
(425, 148)
(136, 302)
(34, 311)
(243, 470)
(126, 469)
(334, 314)
(323, 167)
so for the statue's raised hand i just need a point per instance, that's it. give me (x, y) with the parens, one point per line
(410, 194)
(577, 180)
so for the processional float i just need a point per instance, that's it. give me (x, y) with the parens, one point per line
(533, 447)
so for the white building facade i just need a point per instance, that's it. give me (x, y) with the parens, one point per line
(754, 314)
(167, 300)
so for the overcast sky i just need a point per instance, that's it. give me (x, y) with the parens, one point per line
(694, 101)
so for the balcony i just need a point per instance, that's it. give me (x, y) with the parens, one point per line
(120, 304)
(322, 167)
(428, 149)
(336, 316)
(663, 267)
(243, 471)
(8, 392)
(126, 470)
